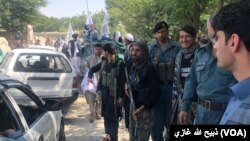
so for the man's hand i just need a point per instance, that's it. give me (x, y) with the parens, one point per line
(182, 117)
(120, 102)
(137, 112)
(126, 89)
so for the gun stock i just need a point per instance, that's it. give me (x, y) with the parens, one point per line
(175, 111)
(132, 104)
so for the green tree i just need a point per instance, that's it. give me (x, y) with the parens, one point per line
(43, 23)
(139, 16)
(15, 14)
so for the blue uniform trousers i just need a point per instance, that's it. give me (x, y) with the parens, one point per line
(162, 113)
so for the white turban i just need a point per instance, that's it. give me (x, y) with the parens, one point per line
(129, 37)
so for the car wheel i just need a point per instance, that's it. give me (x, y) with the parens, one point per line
(61, 132)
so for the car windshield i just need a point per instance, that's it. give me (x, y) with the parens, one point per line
(42, 63)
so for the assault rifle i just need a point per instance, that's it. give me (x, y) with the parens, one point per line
(132, 103)
(175, 106)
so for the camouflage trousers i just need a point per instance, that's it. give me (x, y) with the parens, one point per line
(140, 129)
(191, 113)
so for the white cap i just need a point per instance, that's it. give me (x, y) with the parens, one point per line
(129, 37)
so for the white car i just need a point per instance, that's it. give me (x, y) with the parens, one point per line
(49, 73)
(26, 116)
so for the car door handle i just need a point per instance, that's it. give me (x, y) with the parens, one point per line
(43, 78)
(41, 138)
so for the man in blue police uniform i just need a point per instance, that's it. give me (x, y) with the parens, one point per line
(209, 83)
(162, 54)
(232, 47)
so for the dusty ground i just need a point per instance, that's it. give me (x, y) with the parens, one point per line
(78, 127)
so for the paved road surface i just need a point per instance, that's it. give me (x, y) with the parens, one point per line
(78, 127)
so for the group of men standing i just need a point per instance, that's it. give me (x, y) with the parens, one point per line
(178, 83)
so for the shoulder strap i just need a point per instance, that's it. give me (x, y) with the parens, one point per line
(117, 68)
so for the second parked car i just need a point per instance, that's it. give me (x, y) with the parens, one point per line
(49, 73)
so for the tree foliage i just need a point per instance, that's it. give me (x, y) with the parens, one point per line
(43, 23)
(134, 16)
(15, 14)
(139, 16)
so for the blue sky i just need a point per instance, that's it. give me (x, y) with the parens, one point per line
(69, 8)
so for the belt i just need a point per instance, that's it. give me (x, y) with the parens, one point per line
(213, 106)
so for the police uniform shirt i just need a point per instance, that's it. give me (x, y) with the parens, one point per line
(206, 80)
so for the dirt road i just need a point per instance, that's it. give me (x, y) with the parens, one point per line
(78, 127)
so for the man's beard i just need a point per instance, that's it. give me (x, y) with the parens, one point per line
(162, 39)
(138, 60)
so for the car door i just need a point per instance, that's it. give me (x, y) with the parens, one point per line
(12, 118)
(53, 81)
(37, 122)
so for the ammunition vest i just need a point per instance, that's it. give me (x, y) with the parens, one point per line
(110, 79)
(164, 64)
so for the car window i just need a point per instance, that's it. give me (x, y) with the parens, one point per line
(48, 63)
(30, 110)
(8, 123)
(66, 64)
(6, 61)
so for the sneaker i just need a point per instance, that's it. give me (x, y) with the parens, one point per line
(91, 120)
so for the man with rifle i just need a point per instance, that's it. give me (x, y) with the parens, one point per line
(143, 93)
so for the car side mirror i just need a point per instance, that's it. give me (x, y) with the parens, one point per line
(53, 105)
